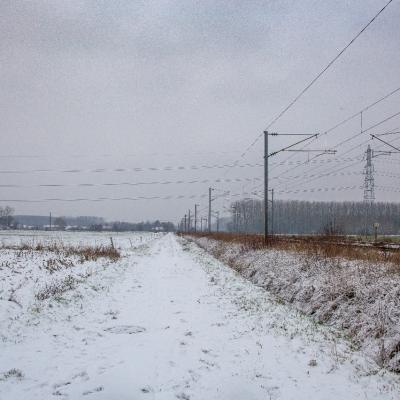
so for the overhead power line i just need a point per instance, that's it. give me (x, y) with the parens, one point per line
(137, 169)
(314, 175)
(178, 182)
(348, 140)
(327, 67)
(147, 198)
(158, 169)
(348, 119)
(320, 189)
(109, 155)
(368, 129)
(313, 160)
(305, 178)
(385, 142)
(290, 105)
(101, 199)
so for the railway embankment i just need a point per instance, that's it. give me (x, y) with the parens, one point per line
(352, 288)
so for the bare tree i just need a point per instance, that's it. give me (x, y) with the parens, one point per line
(6, 216)
(306, 217)
(60, 223)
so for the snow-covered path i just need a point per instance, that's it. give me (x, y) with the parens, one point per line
(171, 322)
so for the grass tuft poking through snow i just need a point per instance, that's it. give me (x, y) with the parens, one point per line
(12, 373)
(56, 288)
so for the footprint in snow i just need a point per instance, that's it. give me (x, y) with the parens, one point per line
(126, 329)
(219, 324)
(183, 396)
(147, 389)
(61, 384)
(82, 376)
(97, 389)
(58, 393)
(209, 353)
(208, 364)
(194, 375)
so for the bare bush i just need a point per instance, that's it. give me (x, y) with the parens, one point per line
(56, 264)
(56, 288)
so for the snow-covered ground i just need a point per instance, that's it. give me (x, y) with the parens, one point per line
(166, 321)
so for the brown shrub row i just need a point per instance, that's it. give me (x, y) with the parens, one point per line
(321, 246)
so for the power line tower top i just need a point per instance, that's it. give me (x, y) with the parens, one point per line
(369, 182)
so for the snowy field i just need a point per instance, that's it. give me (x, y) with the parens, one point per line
(164, 321)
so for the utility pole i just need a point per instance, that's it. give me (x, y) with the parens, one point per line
(185, 223)
(201, 224)
(209, 209)
(376, 226)
(265, 186)
(189, 221)
(235, 218)
(50, 221)
(272, 212)
(287, 148)
(195, 217)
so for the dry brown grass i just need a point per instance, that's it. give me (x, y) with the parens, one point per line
(315, 274)
(85, 253)
(95, 252)
(315, 246)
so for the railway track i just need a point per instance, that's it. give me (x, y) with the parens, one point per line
(339, 241)
(257, 240)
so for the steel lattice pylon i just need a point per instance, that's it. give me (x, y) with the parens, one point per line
(369, 182)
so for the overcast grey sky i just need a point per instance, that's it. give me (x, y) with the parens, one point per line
(143, 84)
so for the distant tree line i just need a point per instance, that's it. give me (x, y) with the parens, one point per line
(6, 217)
(304, 217)
(143, 226)
(41, 220)
(81, 223)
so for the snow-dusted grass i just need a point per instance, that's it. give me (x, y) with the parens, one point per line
(122, 240)
(167, 321)
(37, 268)
(361, 299)
(85, 253)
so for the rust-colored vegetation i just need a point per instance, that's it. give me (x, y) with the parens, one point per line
(323, 246)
